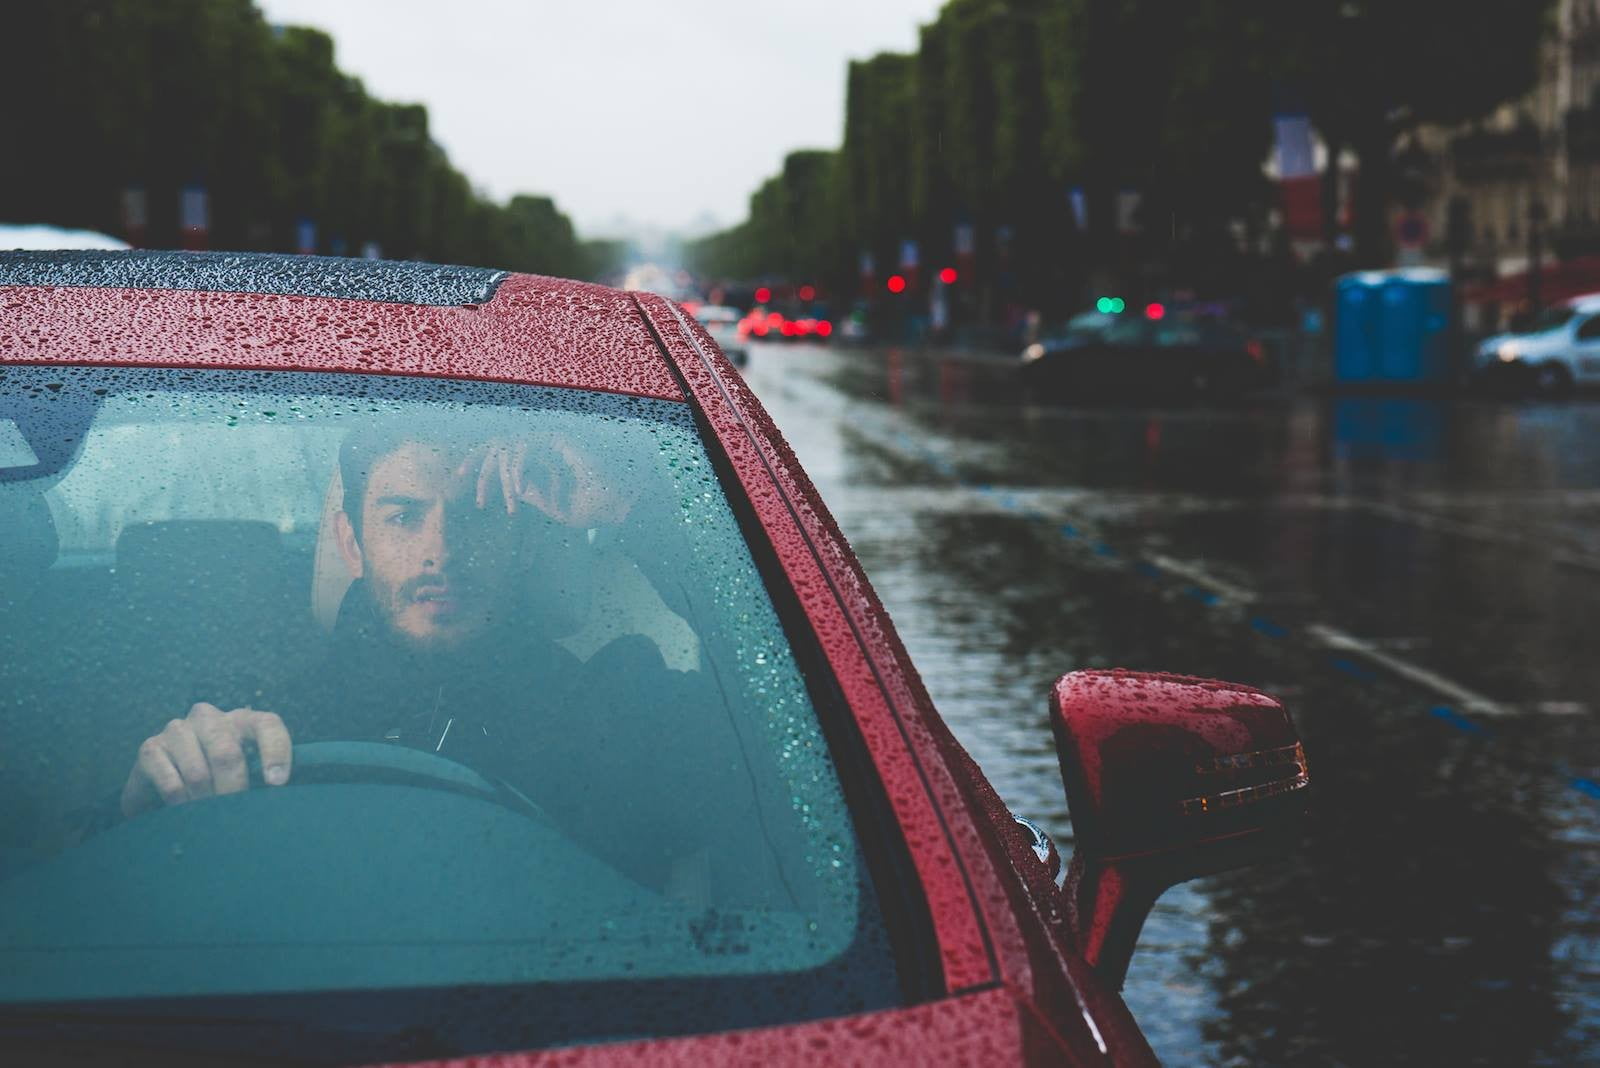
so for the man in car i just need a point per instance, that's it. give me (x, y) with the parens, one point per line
(439, 646)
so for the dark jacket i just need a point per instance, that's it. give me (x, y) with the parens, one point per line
(639, 763)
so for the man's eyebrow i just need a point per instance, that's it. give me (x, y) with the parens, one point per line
(399, 502)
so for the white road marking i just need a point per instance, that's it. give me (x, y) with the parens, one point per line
(1204, 579)
(1464, 699)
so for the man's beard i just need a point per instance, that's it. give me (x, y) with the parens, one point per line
(473, 627)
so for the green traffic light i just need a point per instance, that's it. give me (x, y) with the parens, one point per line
(1110, 305)
(1117, 305)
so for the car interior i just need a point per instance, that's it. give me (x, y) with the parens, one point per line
(102, 651)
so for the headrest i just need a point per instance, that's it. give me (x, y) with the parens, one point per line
(208, 548)
(330, 576)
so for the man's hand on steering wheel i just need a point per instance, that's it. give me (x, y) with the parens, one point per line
(203, 755)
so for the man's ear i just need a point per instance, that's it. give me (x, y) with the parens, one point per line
(349, 548)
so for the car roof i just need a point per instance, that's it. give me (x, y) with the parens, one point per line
(1585, 303)
(324, 313)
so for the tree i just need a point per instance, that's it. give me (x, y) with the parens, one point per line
(876, 158)
(160, 96)
(992, 126)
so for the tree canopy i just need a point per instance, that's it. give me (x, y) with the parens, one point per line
(1014, 115)
(116, 95)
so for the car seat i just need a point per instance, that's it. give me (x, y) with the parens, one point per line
(211, 612)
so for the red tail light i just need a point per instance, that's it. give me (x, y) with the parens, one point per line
(761, 330)
(824, 328)
(1253, 347)
(790, 330)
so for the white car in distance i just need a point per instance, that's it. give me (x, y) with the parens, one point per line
(722, 323)
(1560, 349)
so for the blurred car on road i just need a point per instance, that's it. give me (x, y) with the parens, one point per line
(665, 788)
(769, 324)
(1081, 329)
(1559, 350)
(854, 328)
(41, 236)
(722, 323)
(1141, 354)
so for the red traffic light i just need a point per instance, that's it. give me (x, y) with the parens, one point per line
(808, 293)
(763, 295)
(948, 276)
(896, 284)
(1155, 311)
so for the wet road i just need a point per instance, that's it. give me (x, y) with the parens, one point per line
(1418, 579)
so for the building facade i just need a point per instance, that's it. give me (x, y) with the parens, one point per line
(1535, 161)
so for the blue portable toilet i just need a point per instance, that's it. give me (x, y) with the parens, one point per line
(1392, 327)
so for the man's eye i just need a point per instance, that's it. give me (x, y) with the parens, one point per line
(401, 519)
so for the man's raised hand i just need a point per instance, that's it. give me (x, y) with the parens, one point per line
(553, 476)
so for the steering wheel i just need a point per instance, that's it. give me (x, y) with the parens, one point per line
(385, 763)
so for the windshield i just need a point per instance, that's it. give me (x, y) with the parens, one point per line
(549, 740)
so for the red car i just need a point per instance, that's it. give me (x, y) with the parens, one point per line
(762, 323)
(407, 662)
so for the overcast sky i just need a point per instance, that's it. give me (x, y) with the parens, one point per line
(661, 112)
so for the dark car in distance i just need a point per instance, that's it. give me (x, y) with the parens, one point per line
(1143, 355)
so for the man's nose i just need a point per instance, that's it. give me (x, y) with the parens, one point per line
(436, 540)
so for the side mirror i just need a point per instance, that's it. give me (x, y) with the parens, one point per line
(1168, 778)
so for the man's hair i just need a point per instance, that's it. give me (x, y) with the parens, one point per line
(360, 452)
(369, 443)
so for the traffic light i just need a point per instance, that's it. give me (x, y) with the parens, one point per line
(807, 293)
(948, 276)
(763, 295)
(1110, 305)
(896, 283)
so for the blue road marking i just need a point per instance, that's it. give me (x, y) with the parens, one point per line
(1585, 786)
(1104, 550)
(1069, 531)
(1457, 720)
(1149, 570)
(1268, 627)
(1201, 594)
(1353, 669)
